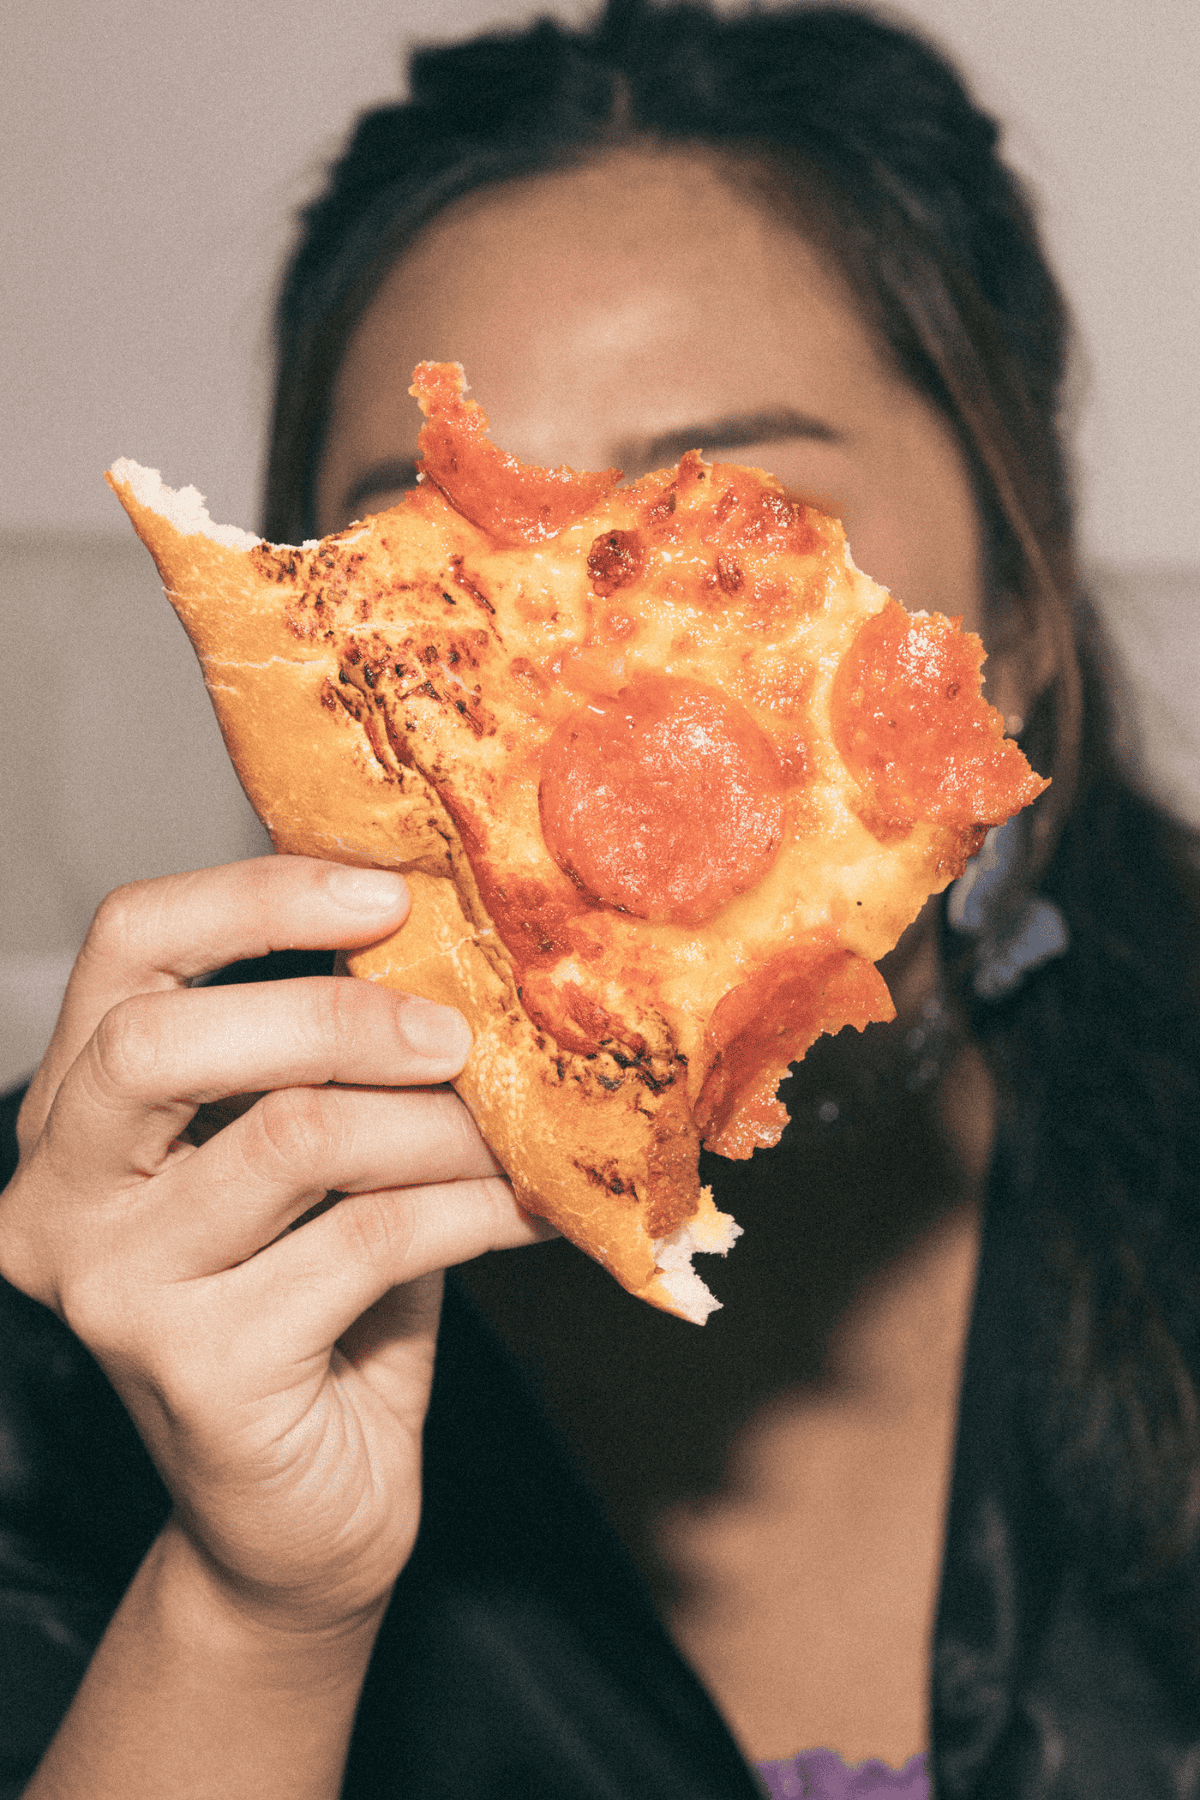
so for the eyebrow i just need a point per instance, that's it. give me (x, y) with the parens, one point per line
(725, 434)
(384, 478)
(730, 433)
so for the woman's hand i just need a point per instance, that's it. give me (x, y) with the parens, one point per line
(279, 1377)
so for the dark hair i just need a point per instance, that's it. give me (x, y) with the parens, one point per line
(867, 137)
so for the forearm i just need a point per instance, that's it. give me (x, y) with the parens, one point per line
(190, 1695)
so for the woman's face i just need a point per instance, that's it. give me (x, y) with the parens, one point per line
(622, 313)
(619, 314)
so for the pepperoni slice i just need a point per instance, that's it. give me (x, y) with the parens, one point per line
(665, 800)
(515, 502)
(767, 1023)
(908, 719)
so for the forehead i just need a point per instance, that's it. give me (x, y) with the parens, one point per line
(619, 313)
(640, 290)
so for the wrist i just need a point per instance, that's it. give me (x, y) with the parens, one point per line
(289, 1638)
(196, 1687)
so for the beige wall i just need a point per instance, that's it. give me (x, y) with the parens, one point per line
(113, 765)
(154, 154)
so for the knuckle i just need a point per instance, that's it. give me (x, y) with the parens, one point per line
(355, 1022)
(126, 1047)
(381, 1228)
(338, 1008)
(116, 924)
(299, 1127)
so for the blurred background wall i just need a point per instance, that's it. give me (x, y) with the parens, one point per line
(154, 157)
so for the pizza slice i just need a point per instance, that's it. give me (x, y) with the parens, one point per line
(665, 772)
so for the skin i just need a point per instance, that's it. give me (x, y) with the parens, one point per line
(616, 314)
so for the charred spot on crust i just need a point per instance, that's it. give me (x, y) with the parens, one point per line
(956, 846)
(729, 574)
(395, 677)
(615, 559)
(464, 581)
(324, 577)
(274, 564)
(674, 1195)
(310, 619)
(605, 1175)
(656, 1083)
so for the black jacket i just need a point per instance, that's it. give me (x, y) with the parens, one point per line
(521, 1655)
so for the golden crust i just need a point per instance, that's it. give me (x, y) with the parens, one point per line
(567, 1142)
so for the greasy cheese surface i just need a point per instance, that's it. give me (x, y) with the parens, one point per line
(710, 580)
(469, 672)
(504, 660)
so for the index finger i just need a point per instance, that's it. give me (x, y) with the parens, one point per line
(153, 936)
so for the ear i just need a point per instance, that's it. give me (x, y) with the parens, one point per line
(1022, 659)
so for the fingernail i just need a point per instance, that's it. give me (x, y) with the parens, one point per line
(434, 1031)
(365, 890)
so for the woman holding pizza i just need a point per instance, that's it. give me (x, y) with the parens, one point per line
(926, 1494)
